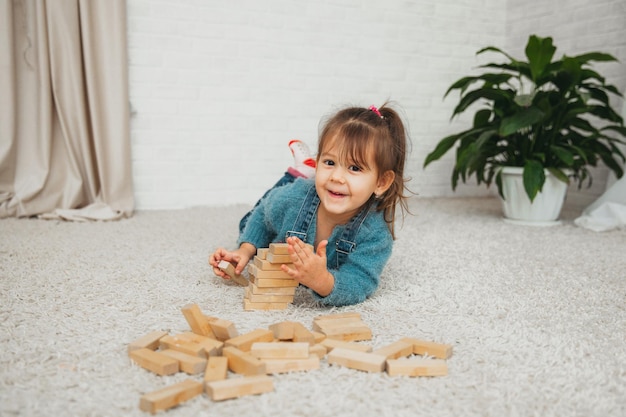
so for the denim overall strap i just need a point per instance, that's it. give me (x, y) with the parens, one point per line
(305, 216)
(346, 242)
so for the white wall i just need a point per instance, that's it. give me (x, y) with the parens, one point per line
(218, 88)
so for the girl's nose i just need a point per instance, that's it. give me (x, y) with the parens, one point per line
(337, 175)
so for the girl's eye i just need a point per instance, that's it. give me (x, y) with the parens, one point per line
(328, 162)
(354, 168)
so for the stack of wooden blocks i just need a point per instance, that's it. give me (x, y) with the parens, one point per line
(215, 347)
(270, 288)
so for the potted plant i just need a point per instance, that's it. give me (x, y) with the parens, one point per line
(548, 120)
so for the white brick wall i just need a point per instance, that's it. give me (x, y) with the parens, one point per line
(218, 88)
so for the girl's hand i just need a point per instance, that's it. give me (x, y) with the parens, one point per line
(309, 267)
(239, 258)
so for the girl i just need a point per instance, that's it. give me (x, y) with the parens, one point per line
(346, 213)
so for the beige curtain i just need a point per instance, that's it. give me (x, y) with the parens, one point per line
(64, 110)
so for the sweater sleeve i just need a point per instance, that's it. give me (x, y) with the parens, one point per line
(358, 277)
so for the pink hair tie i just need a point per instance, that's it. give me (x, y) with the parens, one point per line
(375, 110)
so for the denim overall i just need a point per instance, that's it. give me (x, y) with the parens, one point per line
(345, 243)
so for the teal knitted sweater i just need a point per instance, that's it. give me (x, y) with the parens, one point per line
(357, 277)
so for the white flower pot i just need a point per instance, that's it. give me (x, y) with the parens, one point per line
(543, 211)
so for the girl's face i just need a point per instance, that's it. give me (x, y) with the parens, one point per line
(345, 186)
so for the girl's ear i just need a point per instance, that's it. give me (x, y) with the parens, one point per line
(384, 182)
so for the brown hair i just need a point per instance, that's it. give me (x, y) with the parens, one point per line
(361, 130)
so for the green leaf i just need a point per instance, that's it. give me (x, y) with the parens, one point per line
(563, 154)
(534, 178)
(443, 146)
(559, 174)
(539, 52)
(525, 118)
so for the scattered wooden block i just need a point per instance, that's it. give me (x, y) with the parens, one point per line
(238, 387)
(417, 367)
(318, 336)
(224, 329)
(212, 347)
(318, 350)
(279, 366)
(244, 363)
(347, 315)
(154, 361)
(346, 326)
(353, 359)
(187, 363)
(149, 341)
(171, 396)
(302, 334)
(331, 344)
(198, 322)
(182, 345)
(280, 350)
(216, 368)
(395, 350)
(282, 330)
(229, 269)
(424, 347)
(244, 342)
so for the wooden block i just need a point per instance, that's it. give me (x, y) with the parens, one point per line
(212, 347)
(331, 344)
(279, 366)
(273, 282)
(254, 289)
(265, 265)
(273, 274)
(353, 359)
(238, 387)
(182, 345)
(267, 298)
(249, 305)
(244, 363)
(154, 361)
(198, 322)
(345, 326)
(187, 363)
(318, 336)
(229, 269)
(244, 342)
(350, 333)
(261, 253)
(224, 329)
(424, 347)
(149, 341)
(282, 330)
(171, 396)
(216, 368)
(346, 315)
(417, 367)
(318, 350)
(279, 248)
(302, 334)
(319, 325)
(280, 350)
(395, 350)
(278, 259)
